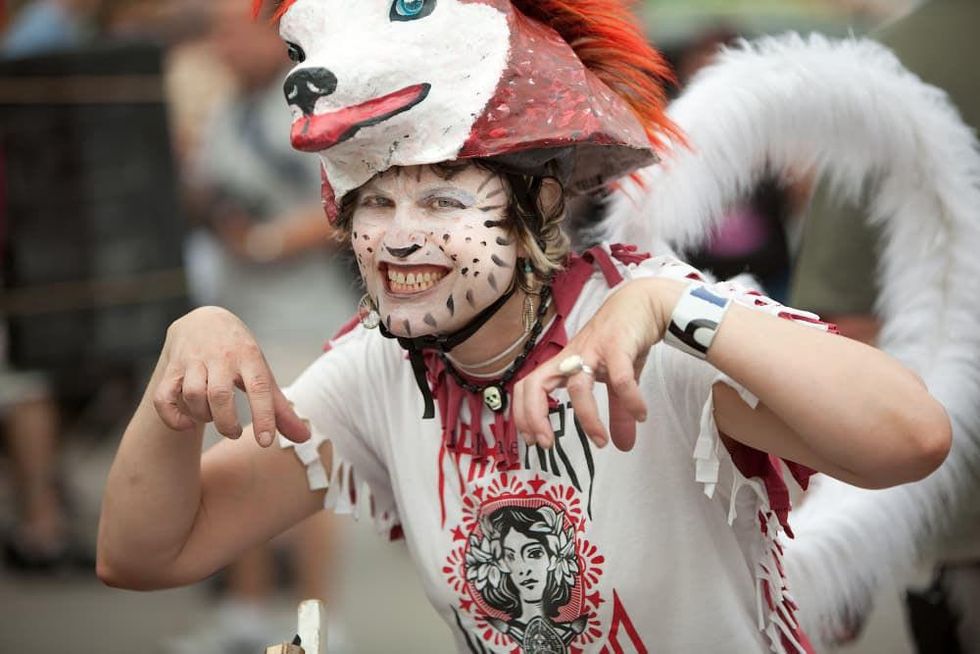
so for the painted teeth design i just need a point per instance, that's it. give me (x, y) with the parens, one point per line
(412, 282)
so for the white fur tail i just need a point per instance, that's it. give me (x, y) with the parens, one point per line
(850, 112)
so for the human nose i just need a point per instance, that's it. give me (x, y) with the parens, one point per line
(404, 237)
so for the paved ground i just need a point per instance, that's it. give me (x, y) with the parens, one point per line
(381, 606)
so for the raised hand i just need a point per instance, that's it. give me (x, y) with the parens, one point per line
(611, 349)
(207, 354)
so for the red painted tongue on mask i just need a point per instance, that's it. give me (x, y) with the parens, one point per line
(319, 132)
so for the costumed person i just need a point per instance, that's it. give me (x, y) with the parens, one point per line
(490, 368)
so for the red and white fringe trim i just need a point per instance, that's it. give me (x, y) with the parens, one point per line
(346, 494)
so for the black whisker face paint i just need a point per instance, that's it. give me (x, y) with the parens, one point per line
(451, 305)
(498, 261)
(465, 272)
(445, 238)
(503, 242)
(430, 321)
(490, 224)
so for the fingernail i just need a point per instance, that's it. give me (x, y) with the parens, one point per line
(265, 439)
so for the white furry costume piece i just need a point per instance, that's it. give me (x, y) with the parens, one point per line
(851, 113)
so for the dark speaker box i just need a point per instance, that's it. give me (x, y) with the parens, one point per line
(89, 214)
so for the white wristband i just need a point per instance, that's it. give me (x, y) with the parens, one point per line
(695, 320)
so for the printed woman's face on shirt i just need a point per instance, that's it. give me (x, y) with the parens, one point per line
(434, 250)
(527, 560)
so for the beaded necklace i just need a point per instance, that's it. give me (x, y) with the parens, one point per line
(493, 392)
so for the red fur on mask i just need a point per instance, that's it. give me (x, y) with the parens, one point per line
(282, 6)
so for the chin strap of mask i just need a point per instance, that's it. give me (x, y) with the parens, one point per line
(446, 343)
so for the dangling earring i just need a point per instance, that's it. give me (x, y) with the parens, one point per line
(368, 313)
(528, 314)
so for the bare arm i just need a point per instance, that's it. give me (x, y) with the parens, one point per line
(831, 403)
(170, 518)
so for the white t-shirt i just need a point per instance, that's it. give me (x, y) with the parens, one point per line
(666, 548)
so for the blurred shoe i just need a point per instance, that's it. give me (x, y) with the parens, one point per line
(22, 556)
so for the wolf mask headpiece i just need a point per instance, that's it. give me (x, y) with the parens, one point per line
(562, 86)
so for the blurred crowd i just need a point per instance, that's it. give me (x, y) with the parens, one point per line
(251, 237)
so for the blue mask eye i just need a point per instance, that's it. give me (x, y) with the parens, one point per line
(411, 9)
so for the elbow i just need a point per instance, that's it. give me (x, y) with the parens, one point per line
(932, 435)
(115, 574)
(118, 577)
(926, 436)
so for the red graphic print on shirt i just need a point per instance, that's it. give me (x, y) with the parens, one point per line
(526, 575)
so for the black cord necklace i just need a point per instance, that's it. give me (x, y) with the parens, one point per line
(493, 393)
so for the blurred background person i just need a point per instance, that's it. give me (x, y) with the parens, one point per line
(835, 275)
(40, 539)
(48, 26)
(262, 250)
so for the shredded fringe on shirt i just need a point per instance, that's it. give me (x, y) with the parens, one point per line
(776, 609)
(346, 494)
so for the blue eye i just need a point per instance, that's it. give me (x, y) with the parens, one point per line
(411, 9)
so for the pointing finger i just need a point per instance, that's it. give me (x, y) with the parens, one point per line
(290, 425)
(626, 405)
(258, 384)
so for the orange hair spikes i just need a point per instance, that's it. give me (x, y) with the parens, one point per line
(282, 6)
(606, 36)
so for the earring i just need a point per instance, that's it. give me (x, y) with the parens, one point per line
(368, 313)
(528, 313)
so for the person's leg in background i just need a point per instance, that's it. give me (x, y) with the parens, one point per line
(39, 539)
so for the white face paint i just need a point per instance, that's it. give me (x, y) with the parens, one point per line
(433, 252)
(434, 65)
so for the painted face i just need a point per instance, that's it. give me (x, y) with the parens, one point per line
(389, 82)
(433, 251)
(528, 561)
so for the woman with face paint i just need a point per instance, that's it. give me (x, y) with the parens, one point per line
(469, 406)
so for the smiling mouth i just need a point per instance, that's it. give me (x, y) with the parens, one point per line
(411, 280)
(313, 133)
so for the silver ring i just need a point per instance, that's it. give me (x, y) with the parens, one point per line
(573, 365)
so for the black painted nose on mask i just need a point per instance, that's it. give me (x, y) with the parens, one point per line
(307, 85)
